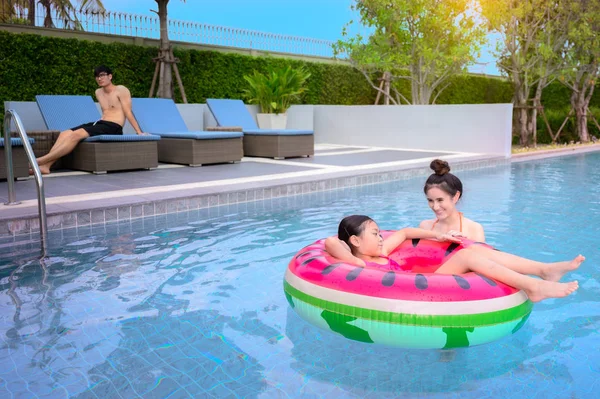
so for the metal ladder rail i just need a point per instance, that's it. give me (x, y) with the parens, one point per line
(11, 115)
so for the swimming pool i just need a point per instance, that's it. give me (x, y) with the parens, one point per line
(191, 304)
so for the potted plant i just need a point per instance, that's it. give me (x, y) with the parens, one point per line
(274, 92)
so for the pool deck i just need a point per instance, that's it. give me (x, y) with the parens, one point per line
(75, 199)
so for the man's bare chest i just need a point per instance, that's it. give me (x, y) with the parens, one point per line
(110, 102)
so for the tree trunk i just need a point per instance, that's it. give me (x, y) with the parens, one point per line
(580, 101)
(165, 83)
(31, 12)
(386, 87)
(522, 120)
(48, 23)
(580, 106)
(537, 102)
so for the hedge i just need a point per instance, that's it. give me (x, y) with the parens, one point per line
(33, 64)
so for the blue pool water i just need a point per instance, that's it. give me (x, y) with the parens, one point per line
(191, 305)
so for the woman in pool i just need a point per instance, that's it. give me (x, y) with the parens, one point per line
(443, 190)
(359, 242)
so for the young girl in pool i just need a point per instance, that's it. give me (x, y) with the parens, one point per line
(443, 190)
(359, 242)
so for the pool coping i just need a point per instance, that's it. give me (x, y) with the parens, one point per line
(25, 221)
(553, 153)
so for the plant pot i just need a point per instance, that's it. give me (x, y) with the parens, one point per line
(272, 121)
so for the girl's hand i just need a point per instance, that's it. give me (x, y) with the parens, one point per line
(448, 237)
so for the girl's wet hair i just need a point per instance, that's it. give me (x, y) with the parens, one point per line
(352, 225)
(443, 179)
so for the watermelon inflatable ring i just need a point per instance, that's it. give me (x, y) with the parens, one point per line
(410, 308)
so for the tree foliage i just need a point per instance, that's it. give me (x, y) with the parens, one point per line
(582, 59)
(422, 41)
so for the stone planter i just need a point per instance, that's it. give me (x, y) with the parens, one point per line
(272, 121)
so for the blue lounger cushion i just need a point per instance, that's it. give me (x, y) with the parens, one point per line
(158, 115)
(15, 142)
(234, 113)
(121, 138)
(65, 112)
(202, 135)
(278, 132)
(231, 113)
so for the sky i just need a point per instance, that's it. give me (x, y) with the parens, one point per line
(319, 19)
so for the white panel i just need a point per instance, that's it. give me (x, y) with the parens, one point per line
(193, 115)
(479, 128)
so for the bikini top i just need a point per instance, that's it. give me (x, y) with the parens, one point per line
(460, 216)
(390, 265)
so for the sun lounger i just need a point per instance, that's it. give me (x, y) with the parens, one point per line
(98, 154)
(19, 159)
(179, 145)
(269, 143)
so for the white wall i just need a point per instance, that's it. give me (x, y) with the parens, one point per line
(480, 128)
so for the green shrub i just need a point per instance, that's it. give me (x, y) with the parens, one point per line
(275, 91)
(33, 64)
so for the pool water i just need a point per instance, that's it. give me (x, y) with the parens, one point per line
(191, 305)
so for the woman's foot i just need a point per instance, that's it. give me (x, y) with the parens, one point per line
(542, 289)
(555, 271)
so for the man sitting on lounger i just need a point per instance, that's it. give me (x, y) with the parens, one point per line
(115, 102)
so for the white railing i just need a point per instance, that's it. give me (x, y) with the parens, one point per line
(119, 23)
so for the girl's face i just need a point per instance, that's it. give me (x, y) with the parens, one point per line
(441, 203)
(369, 242)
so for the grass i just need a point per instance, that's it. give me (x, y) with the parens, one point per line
(518, 149)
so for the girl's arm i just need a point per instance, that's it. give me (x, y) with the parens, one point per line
(390, 243)
(340, 250)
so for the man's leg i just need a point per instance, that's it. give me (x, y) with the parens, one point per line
(66, 142)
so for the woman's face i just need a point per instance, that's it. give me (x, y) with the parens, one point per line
(441, 203)
(369, 242)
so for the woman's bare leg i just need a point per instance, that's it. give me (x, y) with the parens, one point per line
(537, 290)
(548, 271)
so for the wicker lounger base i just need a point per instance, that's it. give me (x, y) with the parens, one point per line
(43, 142)
(199, 152)
(19, 161)
(283, 146)
(100, 157)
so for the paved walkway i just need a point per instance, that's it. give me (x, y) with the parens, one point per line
(79, 198)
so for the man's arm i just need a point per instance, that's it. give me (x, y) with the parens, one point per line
(125, 98)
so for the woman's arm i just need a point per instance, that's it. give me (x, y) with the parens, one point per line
(408, 233)
(340, 250)
(478, 233)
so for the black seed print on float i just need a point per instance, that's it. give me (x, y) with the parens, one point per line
(330, 268)
(415, 241)
(451, 248)
(307, 261)
(308, 252)
(354, 273)
(462, 283)
(487, 280)
(421, 282)
(388, 279)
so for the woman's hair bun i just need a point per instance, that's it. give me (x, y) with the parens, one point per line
(439, 167)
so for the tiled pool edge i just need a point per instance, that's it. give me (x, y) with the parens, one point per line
(29, 226)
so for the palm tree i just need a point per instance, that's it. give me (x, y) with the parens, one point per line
(66, 11)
